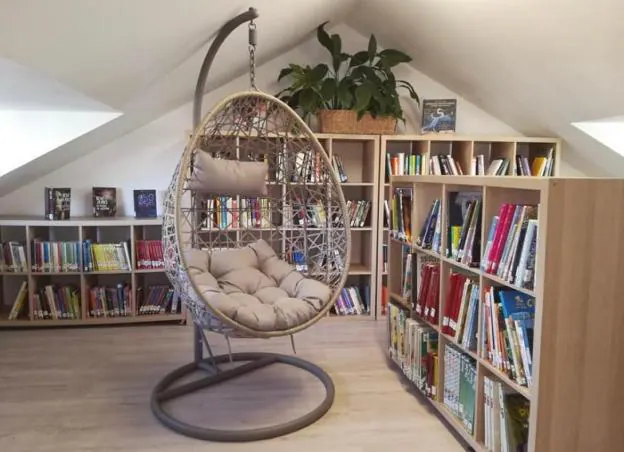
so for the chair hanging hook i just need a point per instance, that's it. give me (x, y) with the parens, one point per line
(252, 53)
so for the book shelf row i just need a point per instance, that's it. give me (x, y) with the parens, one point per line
(352, 157)
(100, 297)
(70, 300)
(409, 156)
(402, 164)
(234, 213)
(49, 257)
(498, 241)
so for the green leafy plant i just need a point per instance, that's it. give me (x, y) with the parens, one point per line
(363, 81)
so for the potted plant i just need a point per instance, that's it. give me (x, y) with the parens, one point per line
(355, 94)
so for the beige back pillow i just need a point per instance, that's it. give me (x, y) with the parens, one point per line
(228, 177)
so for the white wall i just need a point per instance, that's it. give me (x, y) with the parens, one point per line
(146, 157)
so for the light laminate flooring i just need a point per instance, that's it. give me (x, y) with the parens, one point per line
(88, 390)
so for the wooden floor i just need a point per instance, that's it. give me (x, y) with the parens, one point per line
(87, 390)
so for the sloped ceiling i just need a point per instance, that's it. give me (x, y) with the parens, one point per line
(538, 65)
(140, 57)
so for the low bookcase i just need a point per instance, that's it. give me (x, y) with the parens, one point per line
(506, 307)
(122, 279)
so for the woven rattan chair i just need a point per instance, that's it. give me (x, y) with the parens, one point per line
(255, 239)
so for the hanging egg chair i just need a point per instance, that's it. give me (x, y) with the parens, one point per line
(255, 240)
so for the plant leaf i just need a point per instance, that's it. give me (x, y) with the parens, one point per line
(284, 73)
(343, 93)
(308, 100)
(318, 73)
(336, 53)
(323, 37)
(359, 58)
(412, 92)
(371, 75)
(328, 89)
(294, 99)
(392, 57)
(337, 44)
(372, 48)
(363, 95)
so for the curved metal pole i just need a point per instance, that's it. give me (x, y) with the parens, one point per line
(225, 31)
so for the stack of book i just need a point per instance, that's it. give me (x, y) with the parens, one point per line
(106, 256)
(414, 348)
(353, 300)
(507, 333)
(460, 385)
(161, 299)
(427, 302)
(506, 418)
(13, 258)
(402, 164)
(511, 245)
(460, 319)
(109, 301)
(445, 165)
(358, 212)
(57, 303)
(55, 257)
(463, 242)
(149, 254)
(339, 168)
(429, 236)
(401, 218)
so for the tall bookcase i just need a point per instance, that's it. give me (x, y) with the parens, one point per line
(577, 352)
(358, 155)
(464, 150)
(24, 231)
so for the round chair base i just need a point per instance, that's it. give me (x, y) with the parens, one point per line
(162, 393)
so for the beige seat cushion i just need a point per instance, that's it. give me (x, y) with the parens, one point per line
(228, 177)
(255, 288)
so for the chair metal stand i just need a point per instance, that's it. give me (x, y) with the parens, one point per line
(166, 391)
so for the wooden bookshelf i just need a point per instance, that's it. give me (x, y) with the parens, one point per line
(463, 149)
(359, 155)
(578, 349)
(25, 230)
(359, 165)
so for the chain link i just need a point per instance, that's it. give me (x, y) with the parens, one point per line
(252, 54)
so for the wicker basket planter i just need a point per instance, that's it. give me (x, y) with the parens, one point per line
(383, 125)
(345, 121)
(337, 121)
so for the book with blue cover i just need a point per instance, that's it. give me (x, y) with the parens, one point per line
(145, 203)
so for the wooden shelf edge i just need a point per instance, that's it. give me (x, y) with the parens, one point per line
(400, 300)
(460, 347)
(522, 390)
(96, 321)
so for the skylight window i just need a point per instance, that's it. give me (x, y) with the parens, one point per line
(38, 114)
(608, 131)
